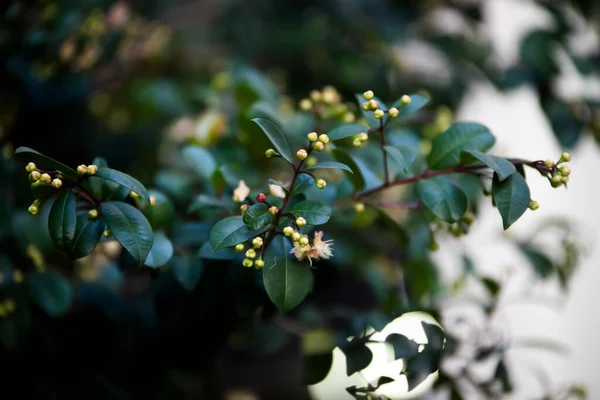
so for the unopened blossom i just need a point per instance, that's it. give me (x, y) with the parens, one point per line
(276, 191)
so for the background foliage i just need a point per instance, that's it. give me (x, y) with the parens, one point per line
(137, 84)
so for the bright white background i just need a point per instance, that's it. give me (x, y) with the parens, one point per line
(522, 131)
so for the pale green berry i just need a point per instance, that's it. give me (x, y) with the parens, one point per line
(359, 207)
(373, 105)
(247, 262)
(303, 241)
(300, 222)
(34, 176)
(549, 163)
(405, 99)
(366, 106)
(363, 137)
(33, 210)
(270, 153)
(393, 112)
(534, 205)
(288, 231)
(323, 138)
(259, 264)
(93, 213)
(257, 242)
(56, 183)
(251, 253)
(368, 95)
(30, 167)
(239, 247)
(318, 146)
(92, 169)
(357, 143)
(82, 169)
(378, 114)
(45, 178)
(565, 157)
(301, 154)
(273, 210)
(312, 136)
(305, 105)
(296, 236)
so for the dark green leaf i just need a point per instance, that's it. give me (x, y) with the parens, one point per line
(161, 251)
(258, 216)
(96, 184)
(461, 136)
(314, 212)
(538, 53)
(542, 265)
(501, 166)
(286, 280)
(229, 232)
(276, 137)
(403, 347)
(491, 285)
(382, 380)
(356, 178)
(501, 374)
(47, 163)
(125, 181)
(200, 161)
(204, 201)
(345, 131)
(62, 220)
(358, 357)
(187, 271)
(420, 366)
(331, 165)
(402, 155)
(442, 197)
(207, 252)
(316, 367)
(130, 228)
(50, 291)
(303, 183)
(435, 335)
(87, 235)
(512, 198)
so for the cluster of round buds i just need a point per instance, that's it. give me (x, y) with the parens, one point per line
(252, 257)
(360, 139)
(327, 103)
(560, 171)
(87, 169)
(373, 105)
(34, 208)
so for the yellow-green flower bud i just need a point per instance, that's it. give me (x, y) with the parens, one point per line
(270, 153)
(244, 208)
(366, 106)
(357, 143)
(564, 170)
(312, 160)
(318, 146)
(259, 264)
(405, 100)
(368, 95)
(107, 233)
(549, 163)
(321, 184)
(302, 154)
(257, 242)
(323, 138)
(565, 157)
(56, 183)
(305, 105)
(251, 253)
(33, 210)
(300, 222)
(247, 262)
(288, 231)
(363, 137)
(273, 210)
(312, 136)
(564, 179)
(378, 114)
(315, 95)
(556, 179)
(92, 169)
(303, 241)
(296, 236)
(30, 167)
(359, 207)
(34, 176)
(93, 213)
(373, 105)
(349, 117)
(239, 247)
(82, 169)
(393, 112)
(534, 205)
(45, 178)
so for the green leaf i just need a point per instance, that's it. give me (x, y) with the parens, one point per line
(199, 160)
(314, 212)
(358, 357)
(356, 178)
(316, 367)
(229, 232)
(446, 148)
(47, 163)
(417, 102)
(258, 216)
(345, 131)
(62, 220)
(404, 348)
(542, 265)
(501, 166)
(97, 185)
(124, 180)
(491, 285)
(130, 228)
(161, 251)
(402, 155)
(435, 335)
(286, 280)
(331, 165)
(276, 137)
(204, 201)
(87, 235)
(207, 252)
(442, 197)
(303, 183)
(187, 271)
(51, 292)
(512, 198)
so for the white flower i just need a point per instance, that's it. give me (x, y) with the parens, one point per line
(241, 192)
(276, 191)
(320, 249)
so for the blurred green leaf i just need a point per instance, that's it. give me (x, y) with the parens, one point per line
(51, 292)
(346, 130)
(331, 165)
(229, 232)
(187, 270)
(160, 252)
(200, 161)
(316, 367)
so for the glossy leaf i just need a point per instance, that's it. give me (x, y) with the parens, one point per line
(46, 163)
(316, 367)
(276, 137)
(258, 216)
(207, 252)
(402, 155)
(229, 232)
(129, 227)
(199, 160)
(346, 130)
(62, 220)
(461, 136)
(314, 212)
(161, 251)
(443, 198)
(187, 270)
(303, 183)
(124, 180)
(286, 280)
(51, 292)
(356, 178)
(499, 165)
(512, 197)
(87, 235)
(331, 165)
